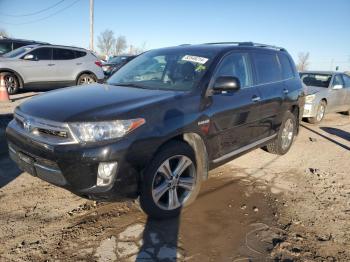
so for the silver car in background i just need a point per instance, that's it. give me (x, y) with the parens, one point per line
(326, 92)
(49, 66)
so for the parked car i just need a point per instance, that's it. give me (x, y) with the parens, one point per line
(157, 137)
(9, 44)
(46, 66)
(326, 92)
(115, 63)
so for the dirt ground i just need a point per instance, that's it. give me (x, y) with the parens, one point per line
(259, 207)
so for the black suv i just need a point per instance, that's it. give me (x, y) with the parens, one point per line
(9, 44)
(161, 123)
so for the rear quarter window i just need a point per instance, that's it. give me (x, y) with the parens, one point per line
(79, 54)
(286, 66)
(267, 67)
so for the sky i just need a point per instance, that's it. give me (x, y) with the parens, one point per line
(320, 27)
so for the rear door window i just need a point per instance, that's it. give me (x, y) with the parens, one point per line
(267, 67)
(286, 66)
(42, 53)
(237, 65)
(63, 54)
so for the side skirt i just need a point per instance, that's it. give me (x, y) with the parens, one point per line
(243, 149)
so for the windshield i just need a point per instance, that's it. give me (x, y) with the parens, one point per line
(319, 80)
(18, 51)
(164, 70)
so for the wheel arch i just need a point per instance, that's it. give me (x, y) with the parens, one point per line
(295, 110)
(324, 99)
(196, 142)
(19, 77)
(85, 72)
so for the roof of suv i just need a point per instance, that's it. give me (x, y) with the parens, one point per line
(62, 46)
(226, 46)
(23, 40)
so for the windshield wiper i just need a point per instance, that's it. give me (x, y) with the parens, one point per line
(129, 85)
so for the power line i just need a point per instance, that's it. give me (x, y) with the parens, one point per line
(43, 18)
(34, 13)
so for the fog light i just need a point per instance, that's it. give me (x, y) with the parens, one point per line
(106, 172)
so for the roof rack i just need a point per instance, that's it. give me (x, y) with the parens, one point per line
(252, 44)
(68, 46)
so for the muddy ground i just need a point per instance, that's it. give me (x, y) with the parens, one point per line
(259, 207)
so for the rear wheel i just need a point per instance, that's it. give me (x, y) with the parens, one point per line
(11, 83)
(170, 182)
(285, 136)
(86, 79)
(321, 111)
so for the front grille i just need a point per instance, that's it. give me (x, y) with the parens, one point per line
(45, 131)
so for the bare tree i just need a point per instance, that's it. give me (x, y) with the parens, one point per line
(303, 61)
(3, 33)
(106, 42)
(120, 45)
(133, 50)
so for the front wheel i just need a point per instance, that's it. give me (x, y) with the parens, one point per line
(321, 110)
(11, 83)
(86, 79)
(170, 182)
(285, 136)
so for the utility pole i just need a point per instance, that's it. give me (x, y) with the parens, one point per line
(91, 25)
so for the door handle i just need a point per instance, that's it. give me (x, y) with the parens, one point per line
(256, 98)
(285, 91)
(51, 64)
(78, 63)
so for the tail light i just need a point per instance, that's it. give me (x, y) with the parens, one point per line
(98, 63)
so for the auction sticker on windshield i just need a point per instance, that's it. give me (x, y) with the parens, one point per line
(195, 59)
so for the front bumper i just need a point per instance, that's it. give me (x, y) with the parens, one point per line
(74, 167)
(310, 110)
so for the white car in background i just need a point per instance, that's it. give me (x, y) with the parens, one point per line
(46, 66)
(326, 92)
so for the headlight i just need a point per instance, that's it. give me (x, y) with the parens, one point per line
(100, 131)
(310, 98)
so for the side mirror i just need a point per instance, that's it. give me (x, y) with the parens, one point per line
(28, 57)
(226, 83)
(337, 87)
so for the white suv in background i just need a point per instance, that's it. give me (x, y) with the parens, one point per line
(46, 66)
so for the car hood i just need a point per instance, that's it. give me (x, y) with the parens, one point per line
(6, 59)
(94, 102)
(309, 90)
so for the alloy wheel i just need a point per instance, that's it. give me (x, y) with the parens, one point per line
(320, 113)
(86, 80)
(10, 83)
(173, 182)
(287, 133)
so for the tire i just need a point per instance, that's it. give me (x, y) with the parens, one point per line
(321, 111)
(162, 193)
(11, 83)
(86, 79)
(286, 133)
